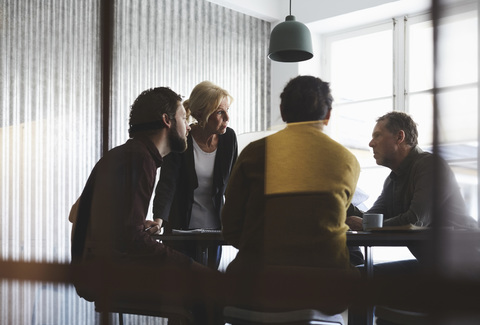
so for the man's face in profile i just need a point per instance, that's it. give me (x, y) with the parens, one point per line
(384, 145)
(177, 135)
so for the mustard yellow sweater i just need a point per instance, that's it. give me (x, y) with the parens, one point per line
(287, 197)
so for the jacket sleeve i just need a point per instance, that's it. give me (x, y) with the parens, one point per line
(226, 162)
(166, 186)
(235, 150)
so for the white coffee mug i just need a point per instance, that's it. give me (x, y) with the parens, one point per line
(372, 220)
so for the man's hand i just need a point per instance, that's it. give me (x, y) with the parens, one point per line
(152, 227)
(354, 222)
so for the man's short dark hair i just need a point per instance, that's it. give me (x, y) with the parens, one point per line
(147, 110)
(305, 98)
(397, 121)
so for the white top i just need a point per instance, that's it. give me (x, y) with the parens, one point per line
(203, 212)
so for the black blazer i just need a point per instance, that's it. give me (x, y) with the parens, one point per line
(174, 192)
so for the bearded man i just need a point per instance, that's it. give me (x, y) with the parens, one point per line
(111, 233)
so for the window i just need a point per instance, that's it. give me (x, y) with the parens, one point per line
(389, 66)
(360, 66)
(361, 80)
(457, 77)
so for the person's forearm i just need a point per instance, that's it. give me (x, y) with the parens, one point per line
(159, 221)
(402, 219)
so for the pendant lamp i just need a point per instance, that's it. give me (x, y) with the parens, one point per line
(290, 41)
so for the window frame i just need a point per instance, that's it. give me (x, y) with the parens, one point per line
(400, 66)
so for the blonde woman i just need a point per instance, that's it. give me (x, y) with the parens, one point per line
(190, 192)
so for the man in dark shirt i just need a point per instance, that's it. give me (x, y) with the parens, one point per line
(407, 193)
(116, 197)
(111, 223)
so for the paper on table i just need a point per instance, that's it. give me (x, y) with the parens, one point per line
(359, 196)
(195, 231)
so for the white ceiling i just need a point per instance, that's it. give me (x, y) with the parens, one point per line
(325, 15)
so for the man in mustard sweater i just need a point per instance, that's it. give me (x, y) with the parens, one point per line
(287, 197)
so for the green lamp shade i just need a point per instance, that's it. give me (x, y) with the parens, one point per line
(290, 41)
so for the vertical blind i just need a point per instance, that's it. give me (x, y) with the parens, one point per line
(178, 44)
(51, 113)
(50, 135)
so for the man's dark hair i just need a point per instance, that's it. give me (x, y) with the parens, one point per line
(147, 110)
(305, 98)
(397, 121)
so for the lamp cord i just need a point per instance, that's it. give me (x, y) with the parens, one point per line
(290, 7)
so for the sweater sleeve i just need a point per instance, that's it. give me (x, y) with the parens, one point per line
(236, 196)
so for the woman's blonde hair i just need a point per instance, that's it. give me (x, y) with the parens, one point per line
(204, 100)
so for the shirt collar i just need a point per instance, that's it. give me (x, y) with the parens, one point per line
(407, 162)
(152, 149)
(316, 124)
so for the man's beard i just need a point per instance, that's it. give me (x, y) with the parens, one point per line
(177, 143)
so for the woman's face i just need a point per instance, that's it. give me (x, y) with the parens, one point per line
(218, 120)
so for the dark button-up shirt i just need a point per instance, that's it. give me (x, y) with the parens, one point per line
(408, 193)
(114, 205)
